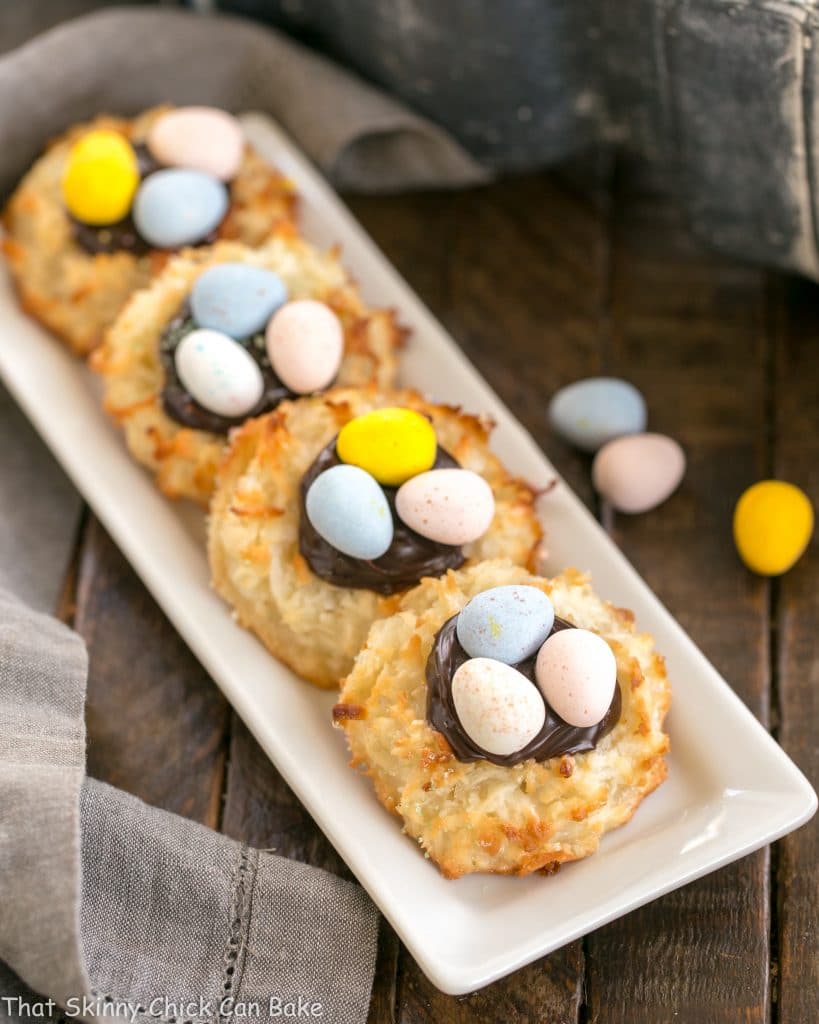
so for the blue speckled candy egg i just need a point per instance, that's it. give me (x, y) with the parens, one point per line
(591, 412)
(178, 207)
(236, 298)
(348, 508)
(505, 623)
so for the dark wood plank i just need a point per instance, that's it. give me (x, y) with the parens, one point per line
(797, 607)
(66, 605)
(691, 332)
(156, 722)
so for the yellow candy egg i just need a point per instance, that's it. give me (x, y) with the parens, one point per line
(773, 523)
(391, 444)
(101, 177)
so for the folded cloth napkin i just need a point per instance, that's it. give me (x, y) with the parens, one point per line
(113, 902)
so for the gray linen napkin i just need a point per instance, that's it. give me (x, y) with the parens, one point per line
(101, 895)
(164, 918)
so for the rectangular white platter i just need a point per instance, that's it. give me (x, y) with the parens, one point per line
(730, 790)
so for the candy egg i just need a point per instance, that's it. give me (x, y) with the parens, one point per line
(450, 506)
(591, 412)
(577, 672)
(391, 444)
(202, 138)
(349, 510)
(236, 298)
(507, 623)
(221, 375)
(639, 472)
(101, 177)
(499, 709)
(179, 207)
(305, 343)
(773, 524)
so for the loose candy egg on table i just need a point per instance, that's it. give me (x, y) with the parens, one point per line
(202, 138)
(218, 372)
(391, 444)
(349, 510)
(236, 298)
(498, 707)
(577, 672)
(305, 343)
(773, 524)
(449, 506)
(637, 473)
(101, 177)
(176, 207)
(593, 411)
(507, 623)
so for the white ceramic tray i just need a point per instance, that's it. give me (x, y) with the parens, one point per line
(730, 790)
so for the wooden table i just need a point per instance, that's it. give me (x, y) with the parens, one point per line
(544, 280)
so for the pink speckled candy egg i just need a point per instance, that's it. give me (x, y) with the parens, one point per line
(201, 138)
(576, 672)
(305, 343)
(499, 709)
(450, 506)
(637, 473)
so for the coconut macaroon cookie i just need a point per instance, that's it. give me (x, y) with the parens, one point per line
(330, 508)
(98, 213)
(508, 720)
(226, 333)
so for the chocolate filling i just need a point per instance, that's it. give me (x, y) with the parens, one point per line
(123, 236)
(555, 738)
(180, 405)
(408, 558)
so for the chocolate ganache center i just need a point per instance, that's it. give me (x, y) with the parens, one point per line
(554, 739)
(405, 562)
(181, 406)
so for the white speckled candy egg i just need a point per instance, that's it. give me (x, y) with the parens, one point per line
(179, 207)
(591, 412)
(577, 672)
(506, 623)
(218, 372)
(305, 343)
(236, 298)
(637, 473)
(450, 506)
(202, 138)
(499, 709)
(348, 508)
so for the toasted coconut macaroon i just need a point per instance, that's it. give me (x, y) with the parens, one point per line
(513, 812)
(309, 602)
(75, 275)
(166, 428)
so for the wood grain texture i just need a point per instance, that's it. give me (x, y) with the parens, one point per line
(797, 615)
(690, 332)
(156, 722)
